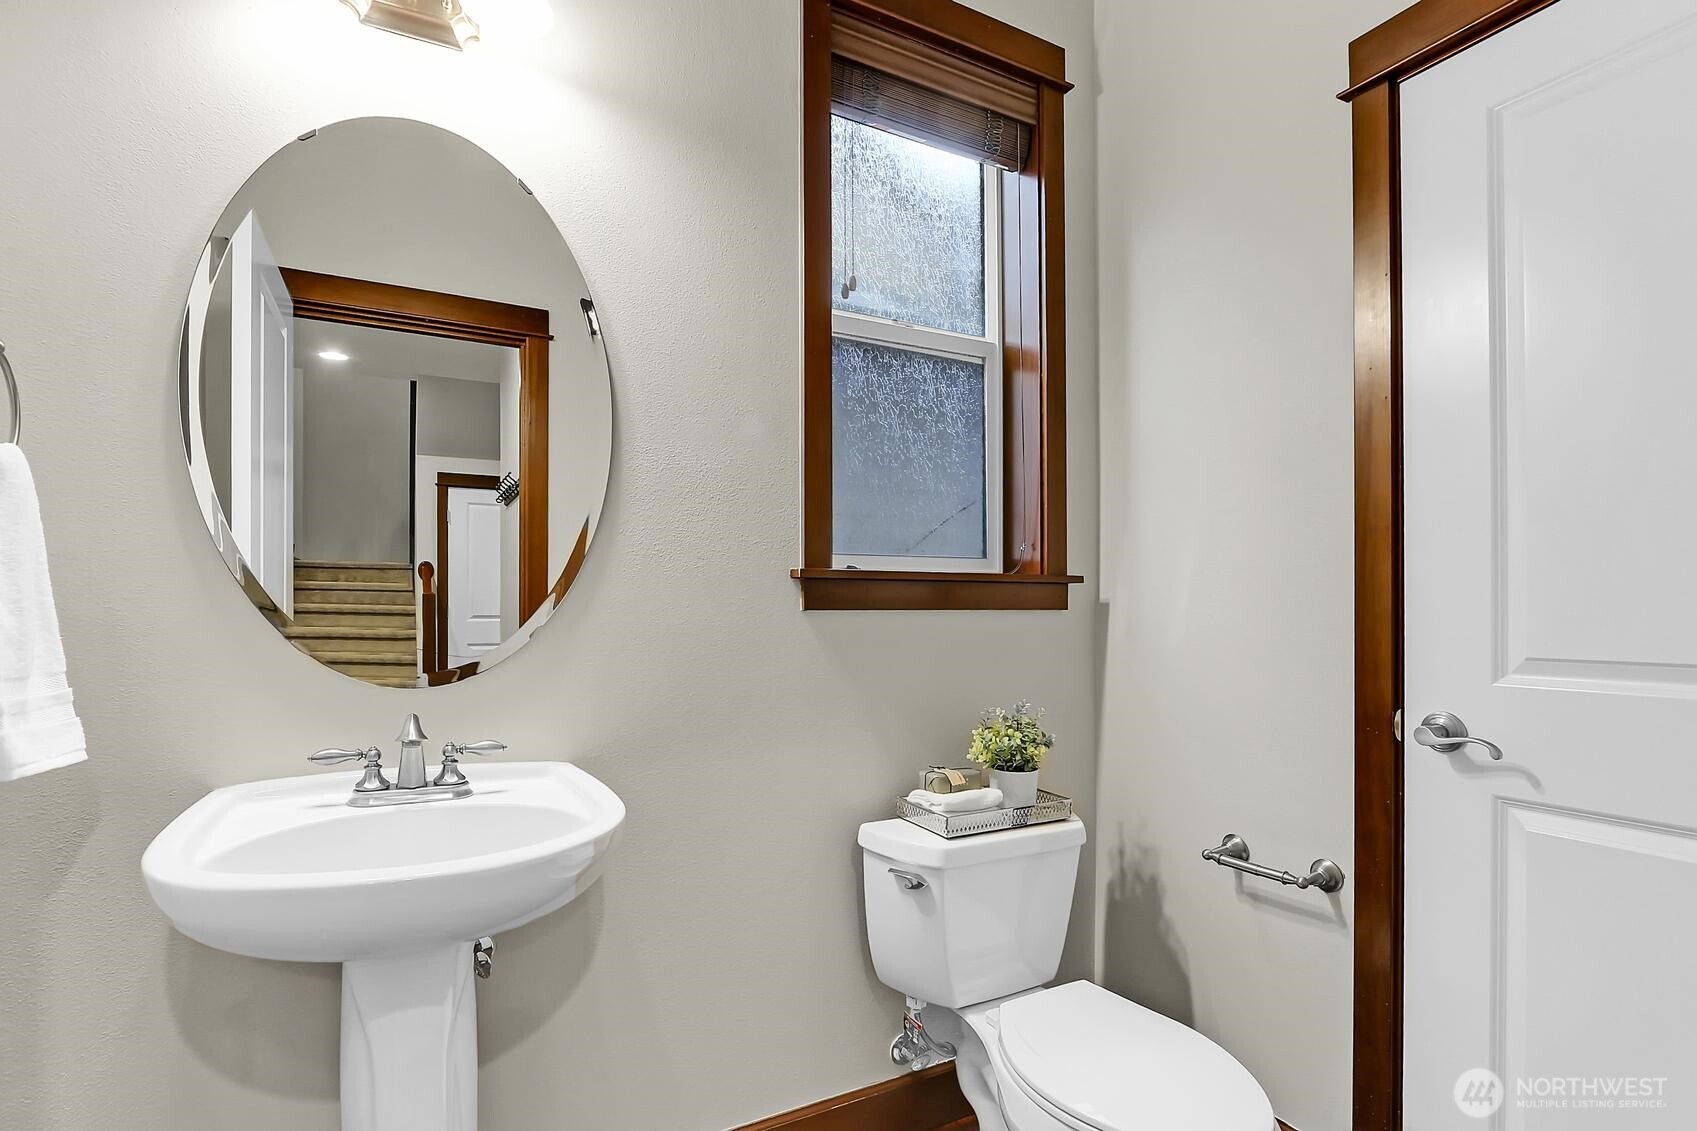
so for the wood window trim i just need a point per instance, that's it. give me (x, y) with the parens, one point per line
(385, 306)
(1034, 323)
(1379, 61)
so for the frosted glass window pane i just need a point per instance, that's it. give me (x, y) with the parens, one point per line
(907, 456)
(907, 230)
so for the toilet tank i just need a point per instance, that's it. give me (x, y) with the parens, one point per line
(989, 919)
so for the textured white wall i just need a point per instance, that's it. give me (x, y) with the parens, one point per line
(1227, 677)
(718, 971)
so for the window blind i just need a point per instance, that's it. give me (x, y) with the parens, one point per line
(912, 110)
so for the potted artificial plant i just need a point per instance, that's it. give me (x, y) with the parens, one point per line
(1011, 745)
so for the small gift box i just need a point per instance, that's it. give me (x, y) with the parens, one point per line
(952, 779)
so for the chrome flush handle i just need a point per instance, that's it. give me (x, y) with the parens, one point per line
(1445, 733)
(909, 880)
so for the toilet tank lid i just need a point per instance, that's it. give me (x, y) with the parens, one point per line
(1111, 1064)
(907, 843)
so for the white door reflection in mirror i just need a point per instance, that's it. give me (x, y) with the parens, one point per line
(262, 427)
(473, 568)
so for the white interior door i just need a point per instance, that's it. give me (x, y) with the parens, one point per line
(262, 414)
(474, 573)
(1549, 237)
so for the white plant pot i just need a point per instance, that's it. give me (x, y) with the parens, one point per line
(1019, 787)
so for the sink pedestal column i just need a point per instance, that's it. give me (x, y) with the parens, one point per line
(409, 1042)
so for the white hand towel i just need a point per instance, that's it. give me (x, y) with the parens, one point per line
(966, 801)
(39, 729)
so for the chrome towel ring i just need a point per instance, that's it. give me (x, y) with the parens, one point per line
(11, 393)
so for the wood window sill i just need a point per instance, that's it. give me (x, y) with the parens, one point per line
(866, 589)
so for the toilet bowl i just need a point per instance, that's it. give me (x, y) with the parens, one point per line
(1079, 1058)
(973, 928)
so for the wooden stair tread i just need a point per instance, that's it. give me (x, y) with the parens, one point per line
(345, 632)
(357, 586)
(302, 563)
(388, 681)
(374, 659)
(352, 607)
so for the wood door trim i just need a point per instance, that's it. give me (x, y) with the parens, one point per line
(468, 479)
(337, 298)
(444, 481)
(1428, 33)
(1420, 36)
(385, 306)
(1377, 1076)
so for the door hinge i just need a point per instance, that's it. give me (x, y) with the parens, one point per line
(1396, 724)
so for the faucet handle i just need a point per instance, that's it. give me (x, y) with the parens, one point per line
(333, 755)
(372, 782)
(450, 774)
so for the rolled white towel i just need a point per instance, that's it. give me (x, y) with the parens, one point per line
(966, 801)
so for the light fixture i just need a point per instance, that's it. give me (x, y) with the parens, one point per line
(455, 23)
(442, 22)
(332, 355)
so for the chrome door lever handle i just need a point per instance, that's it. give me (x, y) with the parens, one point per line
(1445, 733)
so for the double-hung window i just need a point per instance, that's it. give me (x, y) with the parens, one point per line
(934, 393)
(916, 355)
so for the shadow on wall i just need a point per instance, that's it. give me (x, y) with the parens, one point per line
(269, 1026)
(67, 804)
(1142, 959)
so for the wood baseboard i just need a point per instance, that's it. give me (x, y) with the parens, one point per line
(918, 1101)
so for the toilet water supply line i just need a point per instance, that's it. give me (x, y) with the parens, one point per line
(917, 1048)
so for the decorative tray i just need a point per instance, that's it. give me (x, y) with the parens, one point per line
(1049, 807)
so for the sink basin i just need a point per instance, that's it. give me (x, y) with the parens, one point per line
(286, 869)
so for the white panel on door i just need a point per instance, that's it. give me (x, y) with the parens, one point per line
(483, 585)
(1582, 1040)
(474, 573)
(1593, 217)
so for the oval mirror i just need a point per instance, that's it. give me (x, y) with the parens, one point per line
(395, 402)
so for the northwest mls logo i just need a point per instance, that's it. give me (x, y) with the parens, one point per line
(1478, 1093)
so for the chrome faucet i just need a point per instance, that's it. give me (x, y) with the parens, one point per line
(411, 781)
(411, 772)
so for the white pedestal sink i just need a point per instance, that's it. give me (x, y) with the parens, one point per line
(287, 870)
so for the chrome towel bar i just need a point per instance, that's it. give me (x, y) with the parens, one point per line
(1233, 852)
(11, 393)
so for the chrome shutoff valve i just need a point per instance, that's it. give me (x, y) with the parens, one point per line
(917, 1048)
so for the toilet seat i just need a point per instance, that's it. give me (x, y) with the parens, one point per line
(1097, 1062)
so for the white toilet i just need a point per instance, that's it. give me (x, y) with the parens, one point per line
(976, 925)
